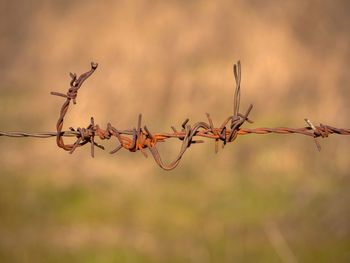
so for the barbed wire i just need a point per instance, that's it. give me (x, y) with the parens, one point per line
(141, 138)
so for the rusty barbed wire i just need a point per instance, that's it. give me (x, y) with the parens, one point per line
(138, 139)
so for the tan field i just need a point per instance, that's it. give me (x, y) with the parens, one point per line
(264, 198)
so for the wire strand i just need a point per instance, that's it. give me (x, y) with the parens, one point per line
(138, 139)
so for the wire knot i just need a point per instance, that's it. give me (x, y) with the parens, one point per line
(86, 135)
(72, 94)
(321, 131)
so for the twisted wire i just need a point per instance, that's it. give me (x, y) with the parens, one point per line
(141, 138)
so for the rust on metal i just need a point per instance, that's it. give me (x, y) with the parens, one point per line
(139, 139)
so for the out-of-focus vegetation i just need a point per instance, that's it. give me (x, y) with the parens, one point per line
(264, 198)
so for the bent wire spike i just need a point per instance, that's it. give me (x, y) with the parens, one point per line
(141, 138)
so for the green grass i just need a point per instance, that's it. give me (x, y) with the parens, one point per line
(188, 218)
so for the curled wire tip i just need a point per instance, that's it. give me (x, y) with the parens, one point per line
(94, 65)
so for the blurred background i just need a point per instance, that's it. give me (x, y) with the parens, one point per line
(264, 198)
